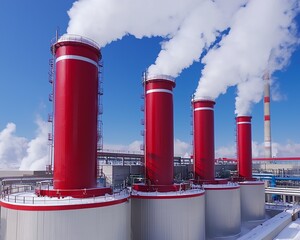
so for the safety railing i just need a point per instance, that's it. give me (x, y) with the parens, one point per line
(8, 190)
(29, 198)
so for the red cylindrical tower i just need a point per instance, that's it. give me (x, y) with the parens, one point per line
(204, 146)
(244, 146)
(159, 138)
(76, 112)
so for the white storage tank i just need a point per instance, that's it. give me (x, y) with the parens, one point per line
(222, 210)
(252, 200)
(168, 216)
(26, 216)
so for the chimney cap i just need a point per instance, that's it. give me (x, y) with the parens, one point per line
(160, 77)
(203, 99)
(76, 38)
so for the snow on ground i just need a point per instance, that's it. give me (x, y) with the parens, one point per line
(269, 228)
(291, 232)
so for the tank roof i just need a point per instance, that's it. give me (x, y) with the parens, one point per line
(77, 38)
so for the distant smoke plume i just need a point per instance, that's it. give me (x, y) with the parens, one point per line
(188, 27)
(262, 36)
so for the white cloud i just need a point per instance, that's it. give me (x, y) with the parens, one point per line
(252, 45)
(132, 147)
(192, 23)
(182, 149)
(37, 153)
(12, 147)
(21, 153)
(258, 149)
(289, 149)
(226, 152)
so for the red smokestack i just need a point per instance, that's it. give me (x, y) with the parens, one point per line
(244, 146)
(204, 148)
(76, 113)
(159, 140)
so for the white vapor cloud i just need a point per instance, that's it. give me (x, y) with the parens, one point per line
(262, 36)
(107, 21)
(248, 93)
(188, 27)
(242, 38)
(276, 94)
(21, 153)
(198, 32)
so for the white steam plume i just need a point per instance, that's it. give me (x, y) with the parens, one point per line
(106, 21)
(262, 36)
(248, 92)
(198, 32)
(188, 26)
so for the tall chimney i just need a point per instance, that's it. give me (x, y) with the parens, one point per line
(267, 119)
(204, 147)
(244, 146)
(159, 136)
(76, 112)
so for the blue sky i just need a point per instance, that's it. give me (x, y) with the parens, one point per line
(26, 31)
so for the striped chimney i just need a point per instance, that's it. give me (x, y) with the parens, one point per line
(267, 119)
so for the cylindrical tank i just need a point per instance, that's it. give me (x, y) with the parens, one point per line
(171, 216)
(60, 219)
(244, 146)
(159, 140)
(75, 113)
(204, 149)
(222, 210)
(252, 200)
